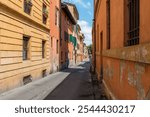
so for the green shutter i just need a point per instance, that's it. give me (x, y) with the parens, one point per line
(73, 40)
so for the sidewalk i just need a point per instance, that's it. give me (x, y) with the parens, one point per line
(37, 90)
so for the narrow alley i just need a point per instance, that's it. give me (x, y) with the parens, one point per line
(77, 86)
(40, 40)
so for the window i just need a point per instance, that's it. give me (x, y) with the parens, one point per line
(98, 40)
(26, 47)
(66, 36)
(68, 21)
(44, 73)
(133, 33)
(45, 14)
(27, 79)
(57, 47)
(51, 42)
(65, 17)
(80, 40)
(101, 42)
(66, 55)
(78, 46)
(61, 55)
(56, 16)
(108, 23)
(43, 49)
(27, 6)
(60, 42)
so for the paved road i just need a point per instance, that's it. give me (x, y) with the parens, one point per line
(76, 86)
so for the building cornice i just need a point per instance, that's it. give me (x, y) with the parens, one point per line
(74, 8)
(67, 11)
(138, 53)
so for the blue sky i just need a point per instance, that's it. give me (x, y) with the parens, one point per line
(85, 8)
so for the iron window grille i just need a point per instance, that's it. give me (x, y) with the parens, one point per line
(27, 79)
(133, 33)
(44, 73)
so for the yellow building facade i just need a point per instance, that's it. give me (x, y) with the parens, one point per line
(24, 42)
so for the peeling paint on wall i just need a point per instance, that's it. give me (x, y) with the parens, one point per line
(144, 53)
(148, 95)
(122, 68)
(134, 79)
(109, 72)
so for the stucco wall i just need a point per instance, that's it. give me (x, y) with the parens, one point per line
(67, 46)
(54, 35)
(144, 21)
(126, 70)
(14, 24)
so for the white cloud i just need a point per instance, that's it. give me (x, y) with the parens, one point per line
(86, 29)
(84, 4)
(85, 26)
(89, 4)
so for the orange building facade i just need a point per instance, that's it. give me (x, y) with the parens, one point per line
(24, 42)
(121, 51)
(68, 44)
(80, 44)
(55, 7)
(66, 47)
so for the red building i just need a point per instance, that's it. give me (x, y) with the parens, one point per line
(66, 45)
(55, 7)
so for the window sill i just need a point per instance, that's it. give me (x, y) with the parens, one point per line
(26, 61)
